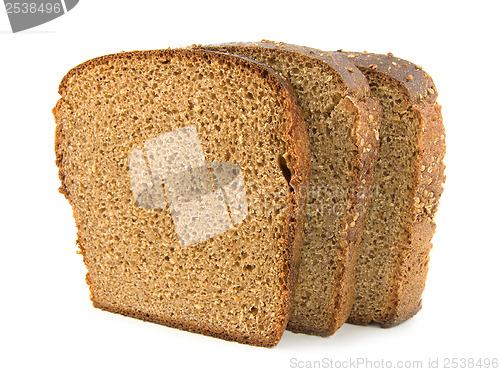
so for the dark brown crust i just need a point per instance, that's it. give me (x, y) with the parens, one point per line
(298, 162)
(366, 138)
(415, 81)
(404, 301)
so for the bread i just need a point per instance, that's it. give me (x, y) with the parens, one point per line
(342, 122)
(185, 170)
(409, 179)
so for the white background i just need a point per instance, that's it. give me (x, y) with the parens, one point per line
(47, 320)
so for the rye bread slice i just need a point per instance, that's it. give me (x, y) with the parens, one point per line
(342, 123)
(185, 217)
(409, 178)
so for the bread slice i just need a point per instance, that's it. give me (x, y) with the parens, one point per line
(342, 122)
(409, 178)
(185, 170)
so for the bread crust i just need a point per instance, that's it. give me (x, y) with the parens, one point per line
(365, 136)
(404, 299)
(354, 81)
(417, 83)
(298, 162)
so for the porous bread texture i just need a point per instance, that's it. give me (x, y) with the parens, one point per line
(342, 123)
(409, 178)
(237, 285)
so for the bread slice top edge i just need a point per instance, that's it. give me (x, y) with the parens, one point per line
(412, 77)
(354, 82)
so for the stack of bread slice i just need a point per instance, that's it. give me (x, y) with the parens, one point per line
(238, 190)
